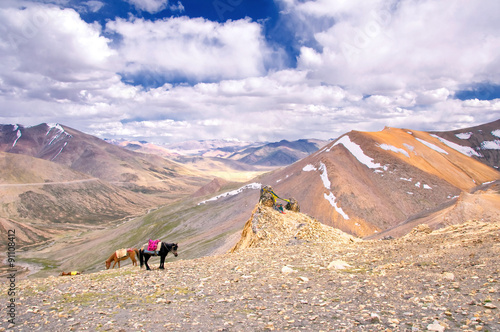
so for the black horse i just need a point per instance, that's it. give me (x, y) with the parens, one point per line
(165, 249)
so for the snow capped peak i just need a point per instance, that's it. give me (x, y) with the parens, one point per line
(54, 126)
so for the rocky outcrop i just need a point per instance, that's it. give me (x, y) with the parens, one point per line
(270, 228)
(292, 205)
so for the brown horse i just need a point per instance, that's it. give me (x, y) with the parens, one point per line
(131, 252)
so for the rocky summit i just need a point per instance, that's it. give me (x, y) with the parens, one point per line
(288, 273)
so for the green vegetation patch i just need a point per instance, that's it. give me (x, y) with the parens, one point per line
(46, 264)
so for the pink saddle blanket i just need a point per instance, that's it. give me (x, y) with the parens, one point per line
(153, 245)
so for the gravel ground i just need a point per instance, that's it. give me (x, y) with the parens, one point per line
(445, 280)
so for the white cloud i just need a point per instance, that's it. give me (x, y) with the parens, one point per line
(386, 47)
(50, 54)
(361, 66)
(151, 6)
(93, 5)
(476, 103)
(433, 96)
(309, 58)
(196, 49)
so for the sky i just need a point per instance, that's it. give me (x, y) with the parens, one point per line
(166, 71)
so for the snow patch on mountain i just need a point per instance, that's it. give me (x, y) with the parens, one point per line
(286, 177)
(327, 184)
(309, 168)
(425, 186)
(18, 137)
(496, 133)
(253, 185)
(490, 145)
(356, 151)
(65, 143)
(464, 135)
(324, 176)
(432, 146)
(332, 199)
(54, 126)
(466, 150)
(388, 147)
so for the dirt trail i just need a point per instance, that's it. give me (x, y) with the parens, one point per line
(5, 185)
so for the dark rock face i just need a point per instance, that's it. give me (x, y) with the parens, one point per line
(483, 139)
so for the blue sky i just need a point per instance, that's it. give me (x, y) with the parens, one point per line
(168, 71)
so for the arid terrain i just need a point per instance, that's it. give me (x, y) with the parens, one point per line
(74, 199)
(442, 280)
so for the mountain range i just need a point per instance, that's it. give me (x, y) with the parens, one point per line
(223, 157)
(367, 184)
(92, 156)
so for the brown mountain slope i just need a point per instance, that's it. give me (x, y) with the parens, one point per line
(35, 190)
(50, 206)
(368, 182)
(481, 205)
(93, 156)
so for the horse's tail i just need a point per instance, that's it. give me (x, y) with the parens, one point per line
(141, 259)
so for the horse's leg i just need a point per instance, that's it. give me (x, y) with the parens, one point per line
(132, 257)
(114, 263)
(136, 253)
(162, 261)
(146, 259)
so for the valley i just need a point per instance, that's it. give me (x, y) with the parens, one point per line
(71, 212)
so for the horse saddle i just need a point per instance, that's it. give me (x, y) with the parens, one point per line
(153, 247)
(121, 253)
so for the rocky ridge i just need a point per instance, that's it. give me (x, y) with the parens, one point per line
(270, 228)
(443, 280)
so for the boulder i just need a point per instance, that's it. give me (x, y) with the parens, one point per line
(266, 196)
(293, 205)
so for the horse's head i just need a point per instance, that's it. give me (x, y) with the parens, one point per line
(174, 249)
(108, 264)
